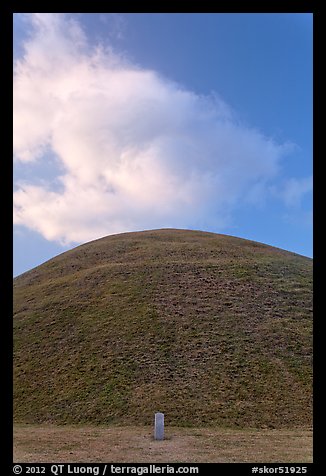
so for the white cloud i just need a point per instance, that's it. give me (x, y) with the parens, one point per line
(294, 190)
(116, 24)
(137, 150)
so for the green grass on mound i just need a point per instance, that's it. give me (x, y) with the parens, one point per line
(209, 329)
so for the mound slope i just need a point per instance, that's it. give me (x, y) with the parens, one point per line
(207, 328)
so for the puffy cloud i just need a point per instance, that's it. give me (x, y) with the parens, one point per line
(136, 150)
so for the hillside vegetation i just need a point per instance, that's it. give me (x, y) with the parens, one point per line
(207, 328)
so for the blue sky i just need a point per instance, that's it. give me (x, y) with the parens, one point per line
(126, 122)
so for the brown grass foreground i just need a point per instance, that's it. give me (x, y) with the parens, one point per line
(49, 443)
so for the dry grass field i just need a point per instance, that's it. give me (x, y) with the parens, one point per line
(63, 444)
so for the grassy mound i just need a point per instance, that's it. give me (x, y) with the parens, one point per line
(209, 329)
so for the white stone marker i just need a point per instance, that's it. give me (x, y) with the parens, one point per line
(159, 426)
